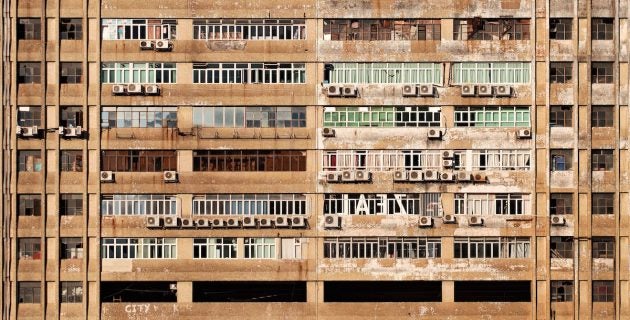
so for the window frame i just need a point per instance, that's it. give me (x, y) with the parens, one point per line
(71, 29)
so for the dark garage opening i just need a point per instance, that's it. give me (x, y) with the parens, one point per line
(249, 291)
(382, 291)
(492, 291)
(137, 291)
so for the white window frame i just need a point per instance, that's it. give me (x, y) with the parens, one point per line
(382, 248)
(116, 29)
(249, 29)
(494, 247)
(138, 248)
(491, 72)
(492, 116)
(502, 160)
(139, 204)
(139, 117)
(486, 204)
(250, 204)
(244, 117)
(386, 73)
(381, 160)
(260, 248)
(383, 116)
(215, 248)
(138, 72)
(423, 204)
(257, 72)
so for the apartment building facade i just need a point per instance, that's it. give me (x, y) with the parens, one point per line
(315, 159)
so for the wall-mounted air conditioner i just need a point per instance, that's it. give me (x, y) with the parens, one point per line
(449, 219)
(134, 88)
(27, 131)
(328, 132)
(202, 223)
(524, 134)
(334, 91)
(332, 222)
(426, 90)
(363, 176)
(484, 90)
(350, 91)
(153, 222)
(118, 89)
(435, 134)
(282, 222)
(416, 175)
(152, 89)
(298, 222)
(431, 175)
(249, 222)
(558, 221)
(170, 176)
(187, 223)
(464, 176)
(409, 90)
(171, 222)
(146, 45)
(503, 91)
(163, 45)
(475, 221)
(347, 175)
(400, 176)
(218, 223)
(425, 222)
(107, 176)
(265, 222)
(468, 90)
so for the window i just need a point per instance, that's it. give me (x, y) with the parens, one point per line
(491, 72)
(493, 159)
(560, 28)
(562, 247)
(29, 72)
(250, 204)
(139, 117)
(602, 116)
(249, 29)
(71, 29)
(602, 29)
(381, 160)
(71, 292)
(491, 29)
(260, 248)
(29, 29)
(214, 248)
(561, 116)
(602, 72)
(139, 248)
(138, 204)
(71, 248)
(29, 205)
(561, 203)
(561, 290)
(29, 248)
(488, 204)
(603, 203)
(249, 117)
(382, 29)
(71, 117)
(71, 205)
(139, 29)
(491, 247)
(603, 247)
(71, 160)
(29, 116)
(603, 291)
(602, 160)
(139, 160)
(411, 116)
(70, 72)
(249, 73)
(424, 204)
(249, 160)
(560, 72)
(29, 161)
(29, 292)
(561, 159)
(504, 116)
(383, 72)
(382, 248)
(134, 72)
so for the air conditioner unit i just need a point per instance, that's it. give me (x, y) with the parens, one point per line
(107, 176)
(153, 222)
(170, 176)
(400, 175)
(249, 222)
(332, 222)
(26, 131)
(334, 91)
(328, 132)
(298, 222)
(218, 223)
(431, 175)
(409, 90)
(449, 219)
(70, 132)
(332, 177)
(171, 222)
(447, 176)
(163, 45)
(350, 91)
(475, 221)
(232, 223)
(362, 175)
(347, 175)
(425, 222)
(479, 177)
(187, 223)
(118, 89)
(146, 45)
(468, 90)
(426, 90)
(282, 222)
(484, 90)
(447, 154)
(264, 222)
(524, 134)
(463, 176)
(503, 91)
(202, 223)
(416, 175)
(558, 221)
(151, 89)
(447, 163)
(134, 88)
(435, 133)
